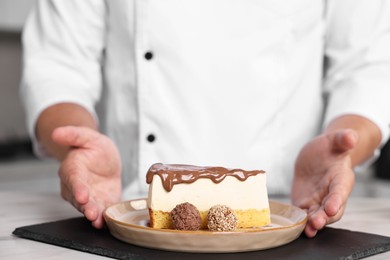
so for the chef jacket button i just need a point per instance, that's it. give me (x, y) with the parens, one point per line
(148, 55)
(151, 138)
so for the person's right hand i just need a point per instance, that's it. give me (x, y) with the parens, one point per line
(90, 173)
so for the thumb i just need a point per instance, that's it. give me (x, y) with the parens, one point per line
(345, 140)
(75, 136)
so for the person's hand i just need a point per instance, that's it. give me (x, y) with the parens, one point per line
(90, 173)
(324, 178)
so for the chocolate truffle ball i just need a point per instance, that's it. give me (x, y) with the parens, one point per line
(221, 218)
(186, 216)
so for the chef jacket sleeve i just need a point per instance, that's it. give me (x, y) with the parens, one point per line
(357, 51)
(63, 42)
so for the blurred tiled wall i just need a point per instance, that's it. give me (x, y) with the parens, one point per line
(13, 133)
(12, 120)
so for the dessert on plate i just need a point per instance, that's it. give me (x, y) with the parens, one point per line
(187, 188)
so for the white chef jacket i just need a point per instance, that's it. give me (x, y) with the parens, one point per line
(234, 83)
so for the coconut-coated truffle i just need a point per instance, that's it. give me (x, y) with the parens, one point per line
(186, 216)
(221, 218)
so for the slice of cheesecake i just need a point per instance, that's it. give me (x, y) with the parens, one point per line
(243, 191)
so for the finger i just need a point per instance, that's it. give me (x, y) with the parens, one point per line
(333, 204)
(339, 190)
(75, 186)
(319, 218)
(73, 136)
(78, 196)
(90, 210)
(316, 221)
(94, 213)
(310, 232)
(98, 222)
(345, 140)
(73, 189)
(66, 194)
(81, 198)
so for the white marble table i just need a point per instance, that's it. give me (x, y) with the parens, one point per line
(21, 209)
(27, 208)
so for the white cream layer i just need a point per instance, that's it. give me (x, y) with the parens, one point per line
(204, 193)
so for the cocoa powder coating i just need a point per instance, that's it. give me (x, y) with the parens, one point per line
(186, 216)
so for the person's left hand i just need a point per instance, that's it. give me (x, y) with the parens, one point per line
(324, 178)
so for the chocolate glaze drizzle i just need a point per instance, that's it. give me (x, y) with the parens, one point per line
(172, 174)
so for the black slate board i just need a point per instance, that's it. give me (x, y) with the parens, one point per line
(330, 243)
